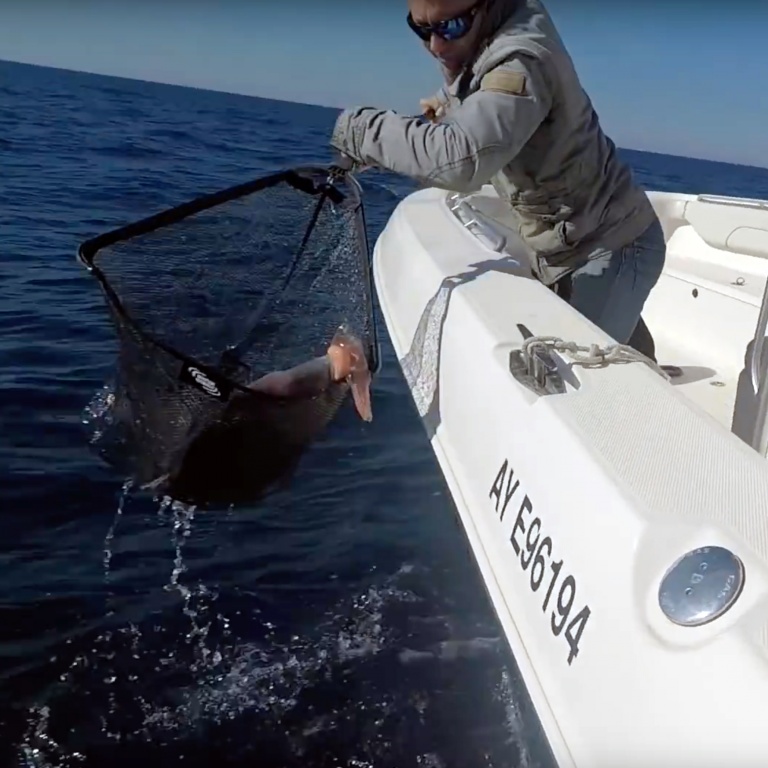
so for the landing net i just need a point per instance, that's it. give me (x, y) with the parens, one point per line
(210, 295)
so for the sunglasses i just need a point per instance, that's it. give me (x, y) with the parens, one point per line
(448, 29)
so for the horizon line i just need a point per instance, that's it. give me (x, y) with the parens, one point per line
(320, 106)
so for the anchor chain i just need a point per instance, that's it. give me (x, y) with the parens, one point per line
(592, 356)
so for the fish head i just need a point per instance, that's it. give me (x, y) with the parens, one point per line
(349, 363)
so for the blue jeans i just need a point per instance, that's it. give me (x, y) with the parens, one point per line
(611, 288)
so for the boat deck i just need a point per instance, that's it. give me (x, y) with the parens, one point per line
(702, 315)
(703, 312)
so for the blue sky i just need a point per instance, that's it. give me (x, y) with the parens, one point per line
(637, 60)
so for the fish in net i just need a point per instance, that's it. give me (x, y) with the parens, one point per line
(243, 319)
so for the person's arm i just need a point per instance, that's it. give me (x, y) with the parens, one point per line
(463, 152)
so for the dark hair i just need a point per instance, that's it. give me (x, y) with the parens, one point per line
(494, 15)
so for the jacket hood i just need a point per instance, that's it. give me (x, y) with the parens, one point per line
(496, 15)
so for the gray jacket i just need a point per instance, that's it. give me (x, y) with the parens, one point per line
(519, 119)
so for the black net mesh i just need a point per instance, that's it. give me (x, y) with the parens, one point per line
(227, 272)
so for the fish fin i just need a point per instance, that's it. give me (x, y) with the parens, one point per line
(360, 384)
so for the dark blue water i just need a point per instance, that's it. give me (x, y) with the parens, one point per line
(341, 624)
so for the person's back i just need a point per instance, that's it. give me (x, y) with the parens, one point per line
(517, 116)
(567, 184)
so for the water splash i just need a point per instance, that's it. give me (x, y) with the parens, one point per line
(98, 416)
(39, 748)
(197, 597)
(320, 687)
(126, 489)
(329, 688)
(325, 689)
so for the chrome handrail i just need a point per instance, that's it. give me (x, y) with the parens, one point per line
(473, 220)
(735, 202)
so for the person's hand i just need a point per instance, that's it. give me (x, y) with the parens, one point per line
(432, 108)
(346, 164)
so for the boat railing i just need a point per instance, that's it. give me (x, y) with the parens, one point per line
(734, 202)
(475, 222)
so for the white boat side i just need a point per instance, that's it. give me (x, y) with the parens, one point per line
(577, 501)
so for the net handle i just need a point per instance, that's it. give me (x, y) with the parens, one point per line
(374, 349)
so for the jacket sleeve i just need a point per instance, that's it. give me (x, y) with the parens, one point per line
(462, 152)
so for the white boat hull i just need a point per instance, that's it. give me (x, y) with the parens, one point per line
(576, 504)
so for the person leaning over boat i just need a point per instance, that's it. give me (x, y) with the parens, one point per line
(513, 113)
